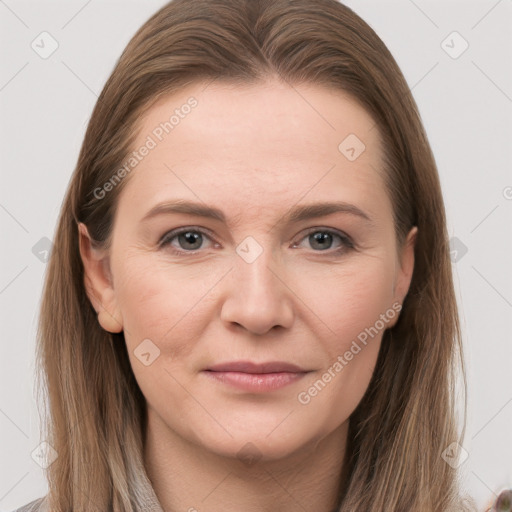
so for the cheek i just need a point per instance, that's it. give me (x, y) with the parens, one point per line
(163, 304)
(347, 300)
(352, 314)
(159, 304)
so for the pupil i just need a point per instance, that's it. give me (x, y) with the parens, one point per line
(191, 237)
(321, 238)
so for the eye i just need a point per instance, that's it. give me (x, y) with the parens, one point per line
(322, 239)
(190, 240)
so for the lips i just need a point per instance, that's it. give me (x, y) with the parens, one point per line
(250, 367)
(252, 377)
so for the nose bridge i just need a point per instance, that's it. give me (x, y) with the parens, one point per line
(255, 267)
(257, 298)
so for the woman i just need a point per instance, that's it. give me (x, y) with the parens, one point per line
(262, 367)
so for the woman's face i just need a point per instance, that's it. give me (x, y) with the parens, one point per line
(261, 281)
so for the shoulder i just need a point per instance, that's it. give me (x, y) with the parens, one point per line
(38, 505)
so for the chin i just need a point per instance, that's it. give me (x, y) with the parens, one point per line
(251, 447)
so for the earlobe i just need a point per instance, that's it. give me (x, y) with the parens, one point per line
(98, 282)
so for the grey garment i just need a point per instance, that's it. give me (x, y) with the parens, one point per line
(37, 505)
(150, 501)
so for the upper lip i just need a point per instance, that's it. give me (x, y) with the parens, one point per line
(250, 367)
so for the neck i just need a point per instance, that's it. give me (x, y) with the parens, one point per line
(186, 476)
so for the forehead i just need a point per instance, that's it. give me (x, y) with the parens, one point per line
(257, 146)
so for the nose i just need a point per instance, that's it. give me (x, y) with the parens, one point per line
(257, 296)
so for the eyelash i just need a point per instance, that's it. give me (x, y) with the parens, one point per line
(166, 239)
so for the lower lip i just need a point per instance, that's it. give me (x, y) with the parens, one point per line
(256, 382)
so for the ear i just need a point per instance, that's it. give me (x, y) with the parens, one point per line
(98, 282)
(405, 268)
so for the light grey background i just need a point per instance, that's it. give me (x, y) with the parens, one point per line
(466, 106)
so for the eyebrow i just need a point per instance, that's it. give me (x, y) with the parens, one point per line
(296, 214)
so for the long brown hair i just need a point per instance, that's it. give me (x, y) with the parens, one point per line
(407, 418)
